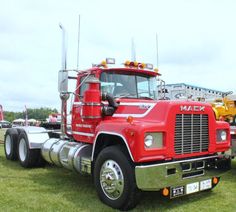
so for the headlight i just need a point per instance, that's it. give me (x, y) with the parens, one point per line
(148, 141)
(153, 140)
(221, 135)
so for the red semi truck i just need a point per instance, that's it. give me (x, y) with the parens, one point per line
(127, 139)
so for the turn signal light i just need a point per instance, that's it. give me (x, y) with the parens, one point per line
(130, 119)
(215, 180)
(165, 192)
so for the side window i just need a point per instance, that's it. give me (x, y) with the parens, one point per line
(107, 84)
(83, 87)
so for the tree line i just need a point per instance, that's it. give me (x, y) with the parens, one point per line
(36, 113)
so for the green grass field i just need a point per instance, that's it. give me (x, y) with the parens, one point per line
(57, 189)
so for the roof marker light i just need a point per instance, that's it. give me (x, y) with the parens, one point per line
(131, 64)
(141, 65)
(135, 64)
(127, 62)
(104, 64)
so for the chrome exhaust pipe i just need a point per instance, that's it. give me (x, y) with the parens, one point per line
(63, 84)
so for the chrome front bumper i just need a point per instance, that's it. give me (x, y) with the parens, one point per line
(177, 173)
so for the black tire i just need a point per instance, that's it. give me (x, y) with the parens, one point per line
(28, 157)
(117, 162)
(41, 162)
(10, 144)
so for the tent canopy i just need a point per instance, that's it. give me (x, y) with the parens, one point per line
(19, 120)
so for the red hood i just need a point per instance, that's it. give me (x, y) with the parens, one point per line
(148, 109)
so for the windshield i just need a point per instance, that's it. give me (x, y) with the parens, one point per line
(128, 85)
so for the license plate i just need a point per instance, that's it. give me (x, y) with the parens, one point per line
(205, 184)
(177, 191)
(192, 188)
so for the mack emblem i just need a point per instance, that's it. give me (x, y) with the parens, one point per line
(194, 108)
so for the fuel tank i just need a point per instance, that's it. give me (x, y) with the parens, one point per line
(71, 155)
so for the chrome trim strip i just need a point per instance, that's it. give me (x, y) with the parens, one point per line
(84, 134)
(111, 133)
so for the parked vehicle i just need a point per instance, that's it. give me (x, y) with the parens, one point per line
(5, 124)
(127, 139)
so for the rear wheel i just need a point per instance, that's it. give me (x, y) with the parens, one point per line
(114, 179)
(10, 144)
(27, 157)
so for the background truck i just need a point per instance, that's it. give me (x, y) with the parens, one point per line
(127, 139)
(225, 109)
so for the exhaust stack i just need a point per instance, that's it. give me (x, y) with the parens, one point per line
(63, 84)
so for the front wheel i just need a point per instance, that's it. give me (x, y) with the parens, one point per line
(114, 179)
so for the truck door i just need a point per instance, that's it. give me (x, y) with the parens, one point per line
(82, 129)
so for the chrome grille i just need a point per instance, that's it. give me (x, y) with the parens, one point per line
(191, 133)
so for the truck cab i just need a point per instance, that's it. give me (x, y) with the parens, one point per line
(125, 85)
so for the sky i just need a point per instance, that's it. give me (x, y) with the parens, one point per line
(196, 43)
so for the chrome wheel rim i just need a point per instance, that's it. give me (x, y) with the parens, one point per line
(8, 145)
(22, 149)
(111, 179)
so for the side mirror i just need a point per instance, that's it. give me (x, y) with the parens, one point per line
(63, 81)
